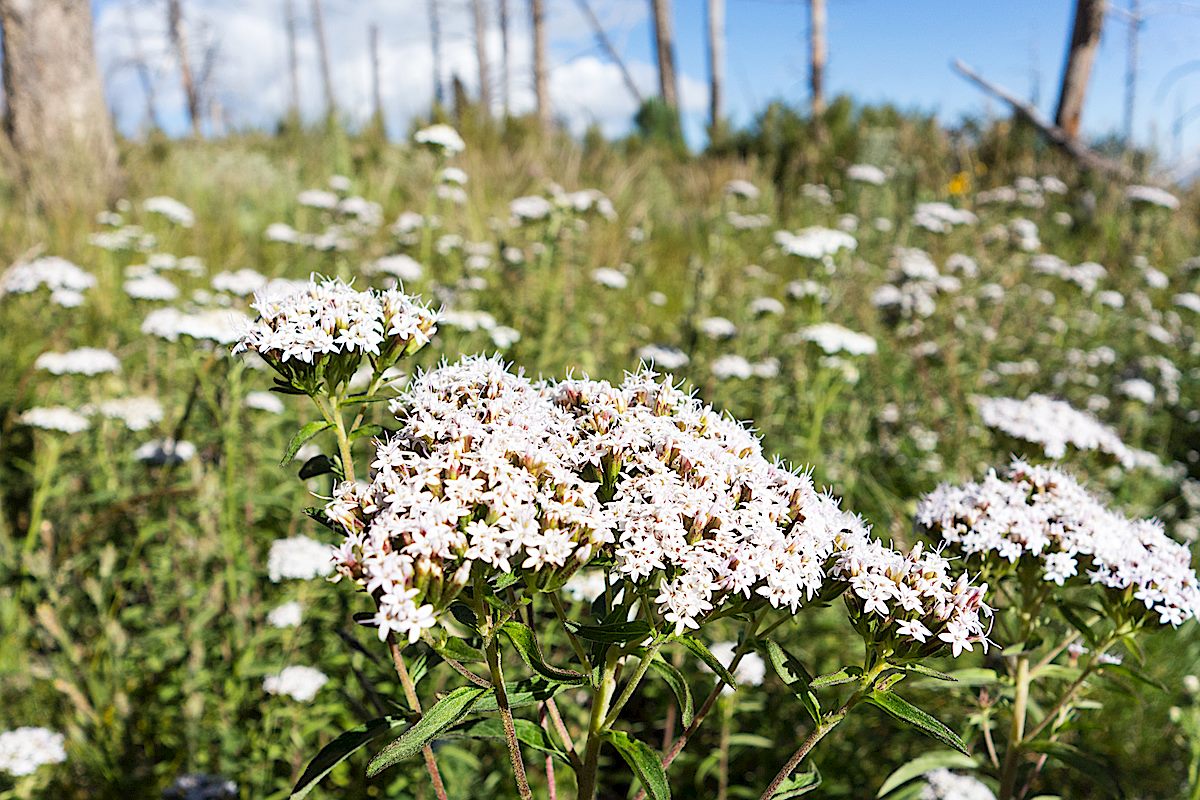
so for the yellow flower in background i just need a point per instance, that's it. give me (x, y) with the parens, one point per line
(959, 184)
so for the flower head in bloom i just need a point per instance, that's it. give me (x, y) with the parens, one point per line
(288, 615)
(150, 286)
(171, 209)
(835, 339)
(401, 267)
(607, 276)
(1042, 514)
(663, 356)
(298, 558)
(66, 281)
(1055, 424)
(750, 671)
(867, 173)
(55, 418)
(221, 326)
(1151, 196)
(742, 189)
(942, 784)
(815, 243)
(136, 413)
(489, 471)
(297, 682)
(441, 138)
(320, 332)
(165, 451)
(23, 750)
(83, 361)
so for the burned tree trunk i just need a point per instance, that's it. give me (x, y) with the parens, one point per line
(1081, 53)
(541, 79)
(818, 52)
(504, 57)
(289, 21)
(664, 46)
(610, 50)
(318, 21)
(177, 30)
(435, 36)
(481, 55)
(716, 65)
(57, 120)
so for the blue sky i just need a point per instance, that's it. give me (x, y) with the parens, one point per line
(880, 50)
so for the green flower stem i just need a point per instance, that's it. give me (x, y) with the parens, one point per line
(510, 731)
(561, 613)
(1016, 735)
(331, 411)
(828, 722)
(600, 702)
(410, 694)
(632, 684)
(44, 469)
(723, 749)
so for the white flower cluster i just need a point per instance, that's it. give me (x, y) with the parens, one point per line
(942, 784)
(23, 750)
(1055, 424)
(298, 558)
(297, 682)
(288, 615)
(489, 468)
(742, 189)
(165, 451)
(55, 418)
(1152, 196)
(82, 361)
(219, 325)
(867, 173)
(1086, 276)
(913, 285)
(306, 328)
(750, 671)
(136, 413)
(815, 243)
(1042, 513)
(66, 281)
(941, 217)
(442, 138)
(170, 208)
(833, 339)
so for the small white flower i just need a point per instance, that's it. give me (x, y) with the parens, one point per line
(297, 682)
(288, 615)
(23, 750)
(298, 558)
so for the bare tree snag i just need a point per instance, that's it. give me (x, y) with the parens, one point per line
(143, 69)
(664, 46)
(504, 57)
(818, 53)
(481, 55)
(1081, 54)
(318, 21)
(1083, 155)
(376, 93)
(177, 29)
(716, 64)
(435, 36)
(289, 20)
(541, 70)
(611, 51)
(57, 120)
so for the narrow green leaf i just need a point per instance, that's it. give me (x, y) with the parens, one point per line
(365, 430)
(901, 709)
(1133, 674)
(613, 633)
(798, 785)
(317, 466)
(458, 649)
(303, 435)
(525, 642)
(679, 686)
(701, 651)
(528, 733)
(968, 677)
(341, 748)
(521, 693)
(929, 672)
(448, 711)
(795, 676)
(1099, 771)
(939, 759)
(843, 675)
(645, 763)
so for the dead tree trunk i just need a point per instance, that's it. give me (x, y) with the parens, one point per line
(289, 20)
(716, 65)
(817, 54)
(664, 46)
(541, 74)
(318, 21)
(607, 46)
(57, 120)
(177, 29)
(376, 93)
(1084, 156)
(1134, 33)
(485, 84)
(1081, 53)
(504, 63)
(143, 69)
(435, 36)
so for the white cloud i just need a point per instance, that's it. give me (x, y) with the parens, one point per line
(250, 77)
